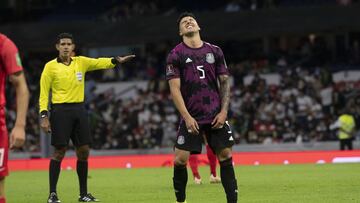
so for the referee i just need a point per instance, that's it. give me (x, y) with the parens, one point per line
(64, 76)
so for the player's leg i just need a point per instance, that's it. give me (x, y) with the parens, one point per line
(4, 150)
(185, 144)
(349, 143)
(342, 144)
(82, 139)
(61, 121)
(194, 166)
(54, 172)
(55, 166)
(227, 175)
(2, 190)
(212, 162)
(221, 141)
(82, 153)
(180, 177)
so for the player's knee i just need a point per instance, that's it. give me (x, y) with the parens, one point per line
(180, 161)
(59, 154)
(82, 154)
(224, 154)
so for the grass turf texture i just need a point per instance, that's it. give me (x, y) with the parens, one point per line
(277, 183)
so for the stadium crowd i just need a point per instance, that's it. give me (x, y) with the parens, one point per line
(299, 107)
(118, 10)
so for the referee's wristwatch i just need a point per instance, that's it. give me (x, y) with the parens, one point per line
(44, 114)
(114, 61)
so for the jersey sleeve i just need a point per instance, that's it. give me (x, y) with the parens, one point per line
(172, 66)
(11, 58)
(221, 67)
(91, 64)
(45, 85)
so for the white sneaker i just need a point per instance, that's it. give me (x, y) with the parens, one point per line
(214, 179)
(197, 181)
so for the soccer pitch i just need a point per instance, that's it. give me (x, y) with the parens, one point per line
(275, 183)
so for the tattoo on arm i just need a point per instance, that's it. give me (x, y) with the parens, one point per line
(224, 92)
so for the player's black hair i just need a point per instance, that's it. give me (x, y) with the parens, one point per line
(63, 36)
(183, 15)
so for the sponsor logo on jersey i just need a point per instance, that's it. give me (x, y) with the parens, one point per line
(210, 58)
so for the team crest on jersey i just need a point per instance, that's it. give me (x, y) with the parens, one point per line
(181, 140)
(170, 70)
(210, 58)
(79, 76)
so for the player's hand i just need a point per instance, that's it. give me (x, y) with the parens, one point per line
(17, 137)
(219, 120)
(192, 126)
(45, 124)
(123, 59)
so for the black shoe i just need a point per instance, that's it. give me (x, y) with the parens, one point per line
(53, 198)
(88, 198)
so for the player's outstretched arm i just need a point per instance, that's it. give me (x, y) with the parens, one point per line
(17, 135)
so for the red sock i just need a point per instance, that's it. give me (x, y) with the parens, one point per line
(194, 163)
(2, 200)
(212, 160)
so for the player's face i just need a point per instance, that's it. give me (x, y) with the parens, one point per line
(65, 47)
(188, 25)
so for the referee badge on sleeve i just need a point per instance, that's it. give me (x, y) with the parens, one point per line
(79, 76)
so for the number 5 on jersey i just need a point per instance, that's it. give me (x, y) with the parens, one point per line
(202, 72)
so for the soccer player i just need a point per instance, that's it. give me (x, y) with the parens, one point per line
(65, 76)
(199, 85)
(10, 65)
(194, 165)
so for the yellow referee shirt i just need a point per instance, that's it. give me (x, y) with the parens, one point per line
(67, 82)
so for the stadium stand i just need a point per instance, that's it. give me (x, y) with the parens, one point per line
(286, 88)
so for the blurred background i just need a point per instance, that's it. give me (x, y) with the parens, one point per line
(295, 67)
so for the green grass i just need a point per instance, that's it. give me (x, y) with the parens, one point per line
(280, 183)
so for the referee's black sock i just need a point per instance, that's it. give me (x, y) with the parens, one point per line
(180, 180)
(54, 171)
(82, 171)
(228, 180)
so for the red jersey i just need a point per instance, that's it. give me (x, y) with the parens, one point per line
(9, 63)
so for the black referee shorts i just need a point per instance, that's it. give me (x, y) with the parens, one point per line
(69, 121)
(218, 139)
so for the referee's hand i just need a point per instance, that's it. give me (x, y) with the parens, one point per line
(45, 125)
(123, 59)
